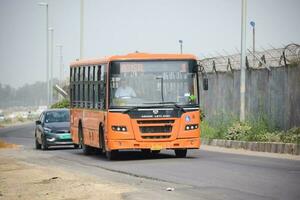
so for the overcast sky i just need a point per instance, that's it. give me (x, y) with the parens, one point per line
(120, 27)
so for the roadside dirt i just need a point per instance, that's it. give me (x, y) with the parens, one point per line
(7, 145)
(25, 181)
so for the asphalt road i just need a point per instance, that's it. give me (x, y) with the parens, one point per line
(202, 175)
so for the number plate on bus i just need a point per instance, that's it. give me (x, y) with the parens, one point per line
(156, 147)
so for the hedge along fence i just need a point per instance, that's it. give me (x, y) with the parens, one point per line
(271, 147)
(273, 93)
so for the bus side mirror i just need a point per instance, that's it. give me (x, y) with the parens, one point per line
(205, 83)
(38, 122)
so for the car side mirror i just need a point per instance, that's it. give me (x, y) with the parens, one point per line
(205, 83)
(38, 122)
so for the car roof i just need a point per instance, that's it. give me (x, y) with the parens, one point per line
(57, 109)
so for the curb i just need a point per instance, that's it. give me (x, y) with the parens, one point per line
(271, 147)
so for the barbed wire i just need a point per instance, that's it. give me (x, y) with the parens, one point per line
(265, 58)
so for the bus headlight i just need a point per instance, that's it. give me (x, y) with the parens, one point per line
(119, 128)
(191, 127)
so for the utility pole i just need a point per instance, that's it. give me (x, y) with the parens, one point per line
(47, 51)
(51, 30)
(252, 23)
(180, 42)
(61, 65)
(81, 27)
(243, 61)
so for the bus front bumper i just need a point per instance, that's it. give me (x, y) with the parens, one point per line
(189, 143)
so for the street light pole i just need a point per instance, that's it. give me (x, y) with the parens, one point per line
(61, 72)
(252, 23)
(51, 65)
(243, 61)
(81, 27)
(180, 41)
(47, 52)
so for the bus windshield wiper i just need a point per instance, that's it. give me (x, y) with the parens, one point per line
(136, 107)
(169, 102)
(130, 109)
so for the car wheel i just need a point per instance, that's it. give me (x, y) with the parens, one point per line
(180, 153)
(76, 146)
(44, 144)
(37, 144)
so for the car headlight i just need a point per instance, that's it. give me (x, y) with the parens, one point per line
(47, 130)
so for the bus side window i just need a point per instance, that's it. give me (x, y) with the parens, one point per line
(94, 87)
(83, 87)
(102, 92)
(71, 83)
(88, 87)
(92, 91)
(79, 87)
(98, 97)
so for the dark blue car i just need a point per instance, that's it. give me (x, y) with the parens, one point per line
(53, 128)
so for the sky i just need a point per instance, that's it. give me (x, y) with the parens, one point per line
(117, 27)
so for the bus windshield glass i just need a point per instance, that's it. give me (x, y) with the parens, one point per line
(144, 83)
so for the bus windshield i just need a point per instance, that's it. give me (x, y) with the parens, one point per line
(144, 83)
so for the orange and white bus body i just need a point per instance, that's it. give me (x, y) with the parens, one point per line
(163, 114)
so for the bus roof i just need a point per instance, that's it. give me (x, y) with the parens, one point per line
(133, 56)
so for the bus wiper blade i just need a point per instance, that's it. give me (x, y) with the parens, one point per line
(136, 107)
(129, 110)
(170, 102)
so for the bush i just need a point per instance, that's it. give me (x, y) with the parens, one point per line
(238, 131)
(65, 103)
(291, 136)
(207, 131)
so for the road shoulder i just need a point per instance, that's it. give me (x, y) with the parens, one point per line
(249, 153)
(20, 180)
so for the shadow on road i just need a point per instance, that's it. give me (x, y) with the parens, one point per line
(132, 155)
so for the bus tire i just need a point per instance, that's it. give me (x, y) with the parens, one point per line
(180, 153)
(111, 155)
(101, 140)
(85, 148)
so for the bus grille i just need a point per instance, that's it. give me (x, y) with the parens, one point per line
(155, 129)
(157, 137)
(155, 121)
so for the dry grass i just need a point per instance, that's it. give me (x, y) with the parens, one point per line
(7, 145)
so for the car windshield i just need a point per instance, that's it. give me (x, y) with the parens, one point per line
(144, 83)
(57, 116)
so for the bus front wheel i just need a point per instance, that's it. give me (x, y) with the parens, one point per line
(111, 155)
(180, 153)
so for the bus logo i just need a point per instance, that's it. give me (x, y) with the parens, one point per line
(187, 118)
(155, 112)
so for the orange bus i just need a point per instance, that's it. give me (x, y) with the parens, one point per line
(138, 101)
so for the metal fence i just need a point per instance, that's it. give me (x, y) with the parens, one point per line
(272, 88)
